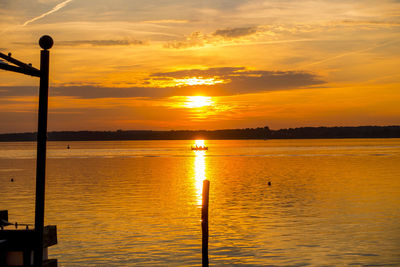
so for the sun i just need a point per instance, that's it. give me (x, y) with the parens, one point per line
(198, 101)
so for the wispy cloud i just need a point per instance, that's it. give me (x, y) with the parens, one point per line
(101, 42)
(199, 39)
(54, 9)
(349, 53)
(166, 21)
(235, 32)
(378, 23)
(194, 39)
(93, 43)
(4, 3)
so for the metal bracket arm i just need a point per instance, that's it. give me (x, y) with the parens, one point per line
(22, 67)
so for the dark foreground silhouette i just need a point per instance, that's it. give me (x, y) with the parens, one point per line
(248, 133)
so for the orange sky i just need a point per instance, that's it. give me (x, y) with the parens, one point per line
(204, 64)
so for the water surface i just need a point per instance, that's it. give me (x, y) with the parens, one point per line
(127, 203)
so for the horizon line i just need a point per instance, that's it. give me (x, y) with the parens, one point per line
(200, 130)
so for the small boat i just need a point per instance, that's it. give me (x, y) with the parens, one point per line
(199, 147)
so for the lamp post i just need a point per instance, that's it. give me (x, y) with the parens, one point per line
(45, 42)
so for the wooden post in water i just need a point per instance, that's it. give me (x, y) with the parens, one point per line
(204, 222)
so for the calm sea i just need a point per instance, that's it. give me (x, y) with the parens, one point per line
(137, 203)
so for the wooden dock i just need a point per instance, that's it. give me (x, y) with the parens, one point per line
(17, 245)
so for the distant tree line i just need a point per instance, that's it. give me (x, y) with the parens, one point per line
(248, 133)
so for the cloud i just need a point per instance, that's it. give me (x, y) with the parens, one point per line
(377, 23)
(199, 39)
(210, 72)
(234, 81)
(194, 39)
(5, 3)
(239, 80)
(93, 43)
(54, 9)
(235, 32)
(6, 91)
(101, 42)
(166, 21)
(349, 53)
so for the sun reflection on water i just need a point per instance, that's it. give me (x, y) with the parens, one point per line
(199, 142)
(199, 171)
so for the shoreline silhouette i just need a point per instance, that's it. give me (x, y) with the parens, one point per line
(225, 134)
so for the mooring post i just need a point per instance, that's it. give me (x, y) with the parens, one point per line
(45, 42)
(204, 222)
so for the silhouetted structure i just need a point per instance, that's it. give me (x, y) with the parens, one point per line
(45, 42)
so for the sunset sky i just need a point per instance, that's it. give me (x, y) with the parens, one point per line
(182, 64)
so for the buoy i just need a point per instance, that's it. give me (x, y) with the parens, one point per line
(12, 179)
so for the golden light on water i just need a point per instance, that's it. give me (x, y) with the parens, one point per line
(199, 143)
(198, 101)
(199, 170)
